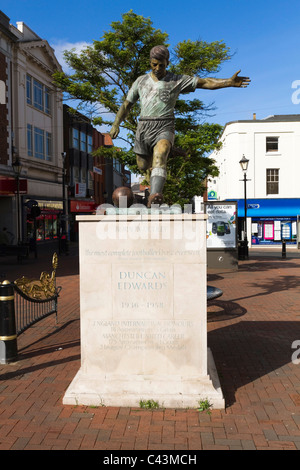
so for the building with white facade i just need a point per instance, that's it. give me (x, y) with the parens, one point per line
(34, 133)
(272, 146)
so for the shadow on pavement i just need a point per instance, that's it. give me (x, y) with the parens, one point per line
(32, 267)
(265, 264)
(221, 310)
(246, 351)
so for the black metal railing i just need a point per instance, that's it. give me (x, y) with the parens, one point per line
(23, 303)
(29, 311)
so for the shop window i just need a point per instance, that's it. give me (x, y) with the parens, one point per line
(269, 231)
(271, 144)
(272, 181)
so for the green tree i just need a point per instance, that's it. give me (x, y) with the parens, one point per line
(102, 75)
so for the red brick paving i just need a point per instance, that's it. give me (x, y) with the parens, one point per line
(251, 329)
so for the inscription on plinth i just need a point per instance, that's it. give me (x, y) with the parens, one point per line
(142, 311)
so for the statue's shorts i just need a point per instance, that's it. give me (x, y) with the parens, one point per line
(150, 131)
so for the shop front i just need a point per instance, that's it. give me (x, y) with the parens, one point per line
(11, 205)
(267, 231)
(79, 207)
(46, 226)
(272, 220)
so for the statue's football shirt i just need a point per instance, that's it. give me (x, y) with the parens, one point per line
(158, 98)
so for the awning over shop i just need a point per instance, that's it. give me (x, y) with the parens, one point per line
(269, 207)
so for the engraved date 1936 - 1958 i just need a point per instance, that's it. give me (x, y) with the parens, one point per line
(142, 305)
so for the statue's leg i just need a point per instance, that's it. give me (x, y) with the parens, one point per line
(143, 162)
(159, 171)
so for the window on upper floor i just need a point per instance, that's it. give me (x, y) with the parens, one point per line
(117, 165)
(47, 100)
(90, 181)
(75, 138)
(272, 144)
(90, 143)
(38, 95)
(83, 175)
(29, 141)
(48, 152)
(75, 175)
(272, 178)
(83, 141)
(39, 143)
(29, 89)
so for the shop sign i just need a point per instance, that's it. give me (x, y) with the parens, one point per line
(212, 195)
(9, 187)
(97, 170)
(82, 206)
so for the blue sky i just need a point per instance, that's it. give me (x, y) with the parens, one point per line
(263, 36)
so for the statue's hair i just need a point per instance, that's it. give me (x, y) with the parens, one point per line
(160, 53)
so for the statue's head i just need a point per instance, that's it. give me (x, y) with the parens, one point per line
(160, 53)
(159, 60)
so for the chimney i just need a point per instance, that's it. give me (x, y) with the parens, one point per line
(254, 116)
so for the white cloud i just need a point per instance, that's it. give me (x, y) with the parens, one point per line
(61, 46)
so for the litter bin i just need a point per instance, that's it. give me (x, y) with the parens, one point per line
(242, 249)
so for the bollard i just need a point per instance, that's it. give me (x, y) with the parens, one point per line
(8, 331)
(283, 249)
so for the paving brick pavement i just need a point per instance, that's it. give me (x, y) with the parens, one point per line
(251, 330)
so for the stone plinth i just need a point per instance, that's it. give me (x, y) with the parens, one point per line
(143, 312)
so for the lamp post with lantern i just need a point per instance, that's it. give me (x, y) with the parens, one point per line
(17, 168)
(244, 165)
(64, 246)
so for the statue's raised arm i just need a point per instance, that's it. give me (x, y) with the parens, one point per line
(215, 83)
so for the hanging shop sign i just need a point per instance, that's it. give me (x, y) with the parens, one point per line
(97, 170)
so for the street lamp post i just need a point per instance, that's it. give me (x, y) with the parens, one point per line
(64, 224)
(244, 164)
(17, 167)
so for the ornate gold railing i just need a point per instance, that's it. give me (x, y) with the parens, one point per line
(36, 298)
(44, 288)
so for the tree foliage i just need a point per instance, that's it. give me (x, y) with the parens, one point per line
(103, 73)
